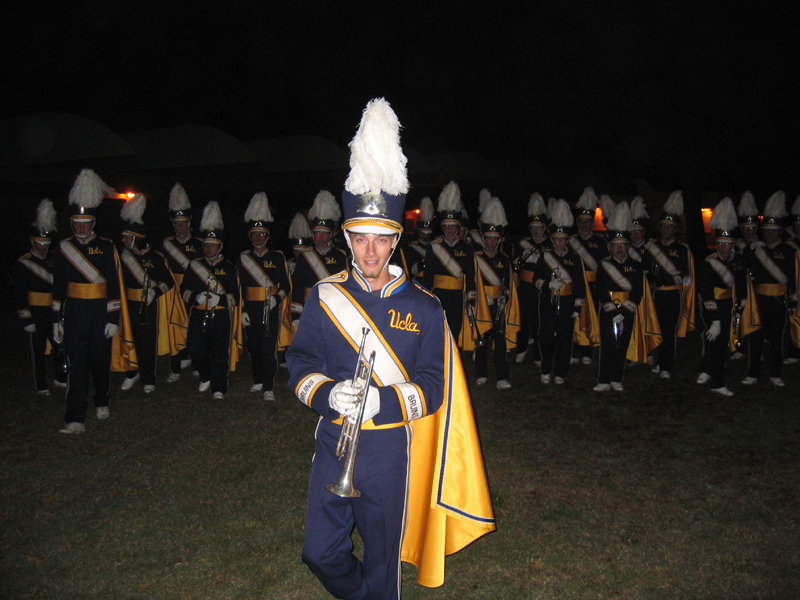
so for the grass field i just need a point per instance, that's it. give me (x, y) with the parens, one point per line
(663, 491)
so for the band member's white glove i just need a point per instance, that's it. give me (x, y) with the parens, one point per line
(295, 323)
(213, 300)
(30, 328)
(687, 279)
(713, 331)
(489, 299)
(151, 295)
(201, 297)
(273, 301)
(111, 330)
(373, 403)
(575, 315)
(245, 319)
(742, 302)
(618, 318)
(344, 398)
(556, 284)
(58, 332)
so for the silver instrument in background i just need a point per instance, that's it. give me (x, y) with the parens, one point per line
(477, 338)
(555, 295)
(265, 321)
(208, 315)
(351, 430)
(143, 303)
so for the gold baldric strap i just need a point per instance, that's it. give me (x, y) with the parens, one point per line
(665, 288)
(526, 275)
(134, 294)
(619, 297)
(447, 282)
(40, 298)
(86, 291)
(725, 293)
(305, 296)
(771, 289)
(591, 275)
(178, 278)
(492, 290)
(258, 294)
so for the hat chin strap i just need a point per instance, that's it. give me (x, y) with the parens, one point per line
(355, 265)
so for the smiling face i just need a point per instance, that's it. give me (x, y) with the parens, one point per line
(371, 254)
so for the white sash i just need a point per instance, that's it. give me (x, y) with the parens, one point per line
(133, 266)
(617, 275)
(769, 265)
(38, 270)
(258, 274)
(175, 253)
(581, 251)
(556, 267)
(722, 270)
(450, 263)
(316, 264)
(634, 253)
(80, 262)
(488, 272)
(662, 259)
(419, 248)
(204, 274)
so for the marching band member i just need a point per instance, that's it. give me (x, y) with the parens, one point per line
(620, 286)
(475, 235)
(772, 268)
(748, 221)
(33, 284)
(323, 259)
(300, 236)
(86, 303)
(793, 346)
(415, 257)
(211, 288)
(528, 251)
(498, 303)
(266, 292)
(670, 265)
(559, 275)
(180, 249)
(722, 287)
(146, 279)
(638, 241)
(416, 378)
(450, 268)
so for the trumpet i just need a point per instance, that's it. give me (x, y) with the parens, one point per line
(206, 316)
(617, 326)
(555, 295)
(477, 338)
(523, 259)
(265, 316)
(351, 430)
(143, 303)
(500, 315)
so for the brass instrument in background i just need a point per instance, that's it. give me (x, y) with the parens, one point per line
(523, 259)
(737, 325)
(500, 315)
(555, 295)
(265, 321)
(206, 316)
(143, 303)
(617, 326)
(477, 338)
(351, 430)
(63, 362)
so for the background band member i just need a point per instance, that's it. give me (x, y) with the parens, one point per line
(322, 259)
(747, 212)
(638, 237)
(300, 237)
(376, 307)
(265, 292)
(86, 299)
(33, 284)
(211, 288)
(146, 278)
(415, 256)
(180, 249)
(620, 286)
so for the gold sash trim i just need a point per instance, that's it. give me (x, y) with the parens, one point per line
(492, 290)
(665, 288)
(566, 290)
(771, 289)
(526, 276)
(620, 296)
(40, 298)
(258, 294)
(591, 275)
(446, 282)
(723, 293)
(86, 291)
(134, 294)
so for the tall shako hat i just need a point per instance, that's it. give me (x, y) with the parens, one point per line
(449, 207)
(620, 223)
(257, 216)
(537, 211)
(796, 210)
(775, 211)
(86, 195)
(483, 198)
(561, 219)
(747, 211)
(724, 220)
(493, 218)
(425, 224)
(673, 209)
(551, 202)
(374, 196)
(211, 224)
(607, 206)
(299, 232)
(132, 213)
(639, 213)
(180, 209)
(324, 212)
(45, 223)
(587, 204)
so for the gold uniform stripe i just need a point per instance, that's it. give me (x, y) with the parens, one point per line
(86, 291)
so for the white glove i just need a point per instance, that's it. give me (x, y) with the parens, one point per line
(343, 399)
(213, 300)
(201, 297)
(618, 318)
(687, 279)
(373, 405)
(756, 244)
(713, 331)
(245, 320)
(30, 328)
(575, 315)
(742, 302)
(489, 299)
(58, 332)
(273, 301)
(111, 330)
(556, 284)
(151, 295)
(295, 323)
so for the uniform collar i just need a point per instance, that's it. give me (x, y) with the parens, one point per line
(397, 283)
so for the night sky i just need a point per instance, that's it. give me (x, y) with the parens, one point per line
(697, 98)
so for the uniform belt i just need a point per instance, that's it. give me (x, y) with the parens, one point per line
(771, 289)
(134, 294)
(258, 294)
(447, 282)
(566, 290)
(725, 293)
(526, 275)
(86, 291)
(217, 307)
(40, 298)
(666, 288)
(492, 290)
(620, 297)
(591, 275)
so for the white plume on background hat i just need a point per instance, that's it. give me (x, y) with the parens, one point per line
(561, 215)
(133, 210)
(607, 205)
(620, 218)
(450, 198)
(588, 200)
(212, 217)
(674, 204)
(796, 207)
(483, 197)
(258, 209)
(494, 213)
(536, 205)
(747, 205)
(426, 209)
(776, 206)
(299, 228)
(88, 190)
(724, 217)
(638, 210)
(325, 207)
(46, 217)
(178, 200)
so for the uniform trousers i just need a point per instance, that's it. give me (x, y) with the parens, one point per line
(183, 354)
(774, 322)
(42, 317)
(556, 328)
(613, 350)
(715, 352)
(453, 304)
(583, 351)
(145, 338)
(529, 317)
(381, 475)
(263, 348)
(88, 351)
(668, 309)
(210, 349)
(494, 335)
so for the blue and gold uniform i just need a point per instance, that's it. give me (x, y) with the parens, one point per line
(526, 254)
(179, 252)
(313, 266)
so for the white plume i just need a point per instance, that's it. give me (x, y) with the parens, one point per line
(494, 213)
(450, 198)
(619, 218)
(776, 206)
(377, 161)
(133, 210)
(258, 209)
(747, 205)
(551, 202)
(426, 209)
(46, 217)
(561, 215)
(325, 207)
(299, 228)
(674, 204)
(724, 216)
(536, 205)
(607, 205)
(638, 210)
(588, 200)
(483, 197)
(178, 200)
(212, 217)
(88, 190)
